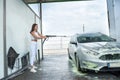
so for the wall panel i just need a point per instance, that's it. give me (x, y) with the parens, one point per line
(1, 40)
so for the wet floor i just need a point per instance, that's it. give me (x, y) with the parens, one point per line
(58, 67)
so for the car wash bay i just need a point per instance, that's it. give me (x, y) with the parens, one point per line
(58, 67)
(53, 67)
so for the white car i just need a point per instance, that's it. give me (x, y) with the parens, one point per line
(94, 51)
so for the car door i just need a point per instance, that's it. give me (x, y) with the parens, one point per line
(72, 47)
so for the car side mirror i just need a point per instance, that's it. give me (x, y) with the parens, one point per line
(75, 43)
(114, 39)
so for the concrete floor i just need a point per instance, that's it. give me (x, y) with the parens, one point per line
(58, 67)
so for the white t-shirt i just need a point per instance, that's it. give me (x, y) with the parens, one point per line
(33, 38)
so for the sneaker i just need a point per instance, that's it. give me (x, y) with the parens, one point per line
(35, 67)
(33, 70)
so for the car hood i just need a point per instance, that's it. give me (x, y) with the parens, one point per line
(102, 47)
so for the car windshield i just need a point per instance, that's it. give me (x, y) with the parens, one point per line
(94, 38)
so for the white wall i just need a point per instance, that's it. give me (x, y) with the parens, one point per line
(1, 40)
(19, 21)
(114, 18)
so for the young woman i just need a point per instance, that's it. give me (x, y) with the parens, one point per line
(33, 47)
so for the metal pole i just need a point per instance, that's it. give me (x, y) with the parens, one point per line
(35, 18)
(83, 28)
(61, 43)
(40, 13)
(4, 39)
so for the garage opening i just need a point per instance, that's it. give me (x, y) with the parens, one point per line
(69, 18)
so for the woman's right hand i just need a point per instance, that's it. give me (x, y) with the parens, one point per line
(44, 37)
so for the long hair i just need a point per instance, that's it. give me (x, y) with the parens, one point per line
(33, 27)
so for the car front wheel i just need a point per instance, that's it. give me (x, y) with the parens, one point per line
(69, 55)
(79, 66)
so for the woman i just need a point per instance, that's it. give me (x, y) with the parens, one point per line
(33, 47)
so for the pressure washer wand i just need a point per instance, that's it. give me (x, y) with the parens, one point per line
(52, 36)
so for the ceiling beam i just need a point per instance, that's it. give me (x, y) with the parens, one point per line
(48, 1)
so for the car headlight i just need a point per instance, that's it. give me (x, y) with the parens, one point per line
(90, 52)
(93, 53)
